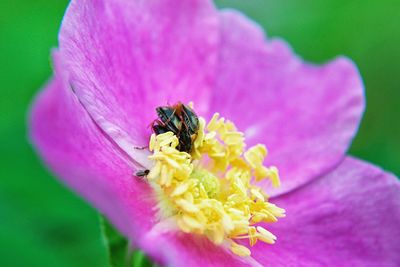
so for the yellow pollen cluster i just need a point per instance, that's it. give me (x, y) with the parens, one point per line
(211, 191)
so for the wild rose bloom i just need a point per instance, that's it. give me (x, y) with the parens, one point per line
(119, 60)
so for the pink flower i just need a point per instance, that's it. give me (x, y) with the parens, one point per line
(118, 60)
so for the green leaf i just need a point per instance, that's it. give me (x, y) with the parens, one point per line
(119, 250)
(141, 260)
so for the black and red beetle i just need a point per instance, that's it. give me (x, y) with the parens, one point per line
(179, 119)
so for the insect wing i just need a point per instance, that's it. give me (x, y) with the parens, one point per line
(168, 116)
(191, 119)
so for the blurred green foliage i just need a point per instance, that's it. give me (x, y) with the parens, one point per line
(44, 224)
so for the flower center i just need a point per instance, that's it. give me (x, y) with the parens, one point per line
(212, 190)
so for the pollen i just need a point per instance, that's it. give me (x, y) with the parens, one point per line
(213, 190)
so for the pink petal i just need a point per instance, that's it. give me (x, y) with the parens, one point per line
(305, 114)
(350, 217)
(85, 159)
(182, 250)
(124, 58)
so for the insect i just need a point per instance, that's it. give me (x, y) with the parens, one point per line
(179, 119)
(142, 173)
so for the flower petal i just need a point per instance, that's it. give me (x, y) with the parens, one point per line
(349, 217)
(124, 58)
(306, 115)
(85, 159)
(179, 250)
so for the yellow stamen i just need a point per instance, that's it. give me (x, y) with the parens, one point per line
(210, 191)
(240, 250)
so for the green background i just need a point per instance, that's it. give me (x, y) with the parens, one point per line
(44, 224)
